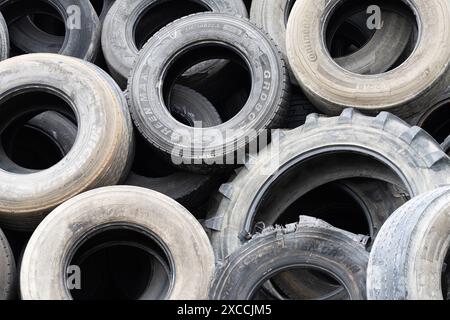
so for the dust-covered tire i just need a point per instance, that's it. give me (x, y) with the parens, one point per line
(407, 258)
(101, 153)
(382, 147)
(311, 243)
(4, 39)
(156, 216)
(403, 91)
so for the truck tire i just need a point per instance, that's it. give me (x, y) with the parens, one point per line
(118, 36)
(402, 91)
(317, 152)
(311, 243)
(145, 217)
(7, 270)
(101, 153)
(407, 258)
(391, 40)
(265, 108)
(82, 41)
(4, 39)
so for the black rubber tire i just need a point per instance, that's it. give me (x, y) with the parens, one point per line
(403, 91)
(156, 216)
(101, 153)
(82, 42)
(299, 108)
(118, 35)
(407, 258)
(8, 272)
(310, 243)
(265, 108)
(4, 39)
(189, 189)
(408, 158)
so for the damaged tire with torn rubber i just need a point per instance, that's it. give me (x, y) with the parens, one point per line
(311, 244)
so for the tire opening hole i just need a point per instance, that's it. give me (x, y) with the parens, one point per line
(160, 14)
(98, 6)
(359, 26)
(301, 283)
(437, 121)
(50, 23)
(32, 137)
(215, 71)
(119, 263)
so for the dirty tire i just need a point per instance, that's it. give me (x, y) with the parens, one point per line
(80, 42)
(402, 91)
(152, 213)
(7, 270)
(189, 189)
(310, 243)
(406, 262)
(407, 157)
(4, 39)
(377, 200)
(118, 36)
(391, 40)
(265, 108)
(101, 151)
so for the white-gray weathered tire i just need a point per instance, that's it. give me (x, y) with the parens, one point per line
(154, 215)
(352, 145)
(402, 91)
(101, 153)
(4, 39)
(407, 258)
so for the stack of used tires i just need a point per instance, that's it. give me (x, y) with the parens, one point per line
(224, 149)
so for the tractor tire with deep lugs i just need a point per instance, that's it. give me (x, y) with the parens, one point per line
(322, 151)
